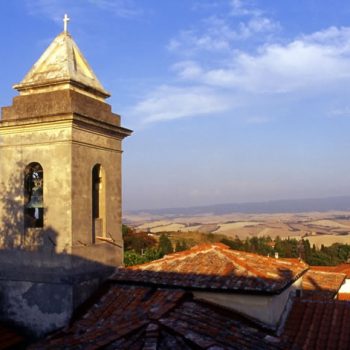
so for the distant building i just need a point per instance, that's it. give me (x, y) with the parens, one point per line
(60, 185)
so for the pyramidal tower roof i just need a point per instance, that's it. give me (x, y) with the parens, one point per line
(62, 66)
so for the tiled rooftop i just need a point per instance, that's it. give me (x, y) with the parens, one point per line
(344, 296)
(341, 268)
(141, 309)
(139, 317)
(136, 317)
(216, 267)
(318, 325)
(321, 285)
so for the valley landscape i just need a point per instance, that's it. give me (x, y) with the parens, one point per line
(319, 227)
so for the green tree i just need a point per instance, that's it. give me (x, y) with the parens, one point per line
(125, 229)
(181, 246)
(211, 237)
(235, 244)
(152, 254)
(132, 258)
(137, 241)
(164, 244)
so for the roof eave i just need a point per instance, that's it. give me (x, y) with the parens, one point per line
(55, 82)
(246, 291)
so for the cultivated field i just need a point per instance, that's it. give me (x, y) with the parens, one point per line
(319, 228)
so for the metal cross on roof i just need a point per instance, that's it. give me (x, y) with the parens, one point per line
(65, 21)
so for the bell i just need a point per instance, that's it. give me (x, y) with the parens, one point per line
(36, 199)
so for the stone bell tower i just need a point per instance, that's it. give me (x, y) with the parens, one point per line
(60, 186)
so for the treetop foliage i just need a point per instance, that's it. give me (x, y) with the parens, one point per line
(141, 247)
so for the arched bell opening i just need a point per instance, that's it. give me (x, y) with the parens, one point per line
(33, 195)
(98, 202)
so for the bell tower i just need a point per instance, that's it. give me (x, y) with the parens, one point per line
(60, 185)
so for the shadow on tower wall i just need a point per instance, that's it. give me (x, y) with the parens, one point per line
(39, 287)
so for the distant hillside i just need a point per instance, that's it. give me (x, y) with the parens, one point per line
(268, 207)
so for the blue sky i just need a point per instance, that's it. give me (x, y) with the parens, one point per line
(229, 100)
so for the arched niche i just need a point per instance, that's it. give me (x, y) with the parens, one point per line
(33, 195)
(98, 202)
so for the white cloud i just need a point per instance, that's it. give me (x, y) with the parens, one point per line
(221, 34)
(258, 25)
(246, 8)
(310, 65)
(169, 102)
(234, 56)
(188, 69)
(306, 62)
(189, 42)
(333, 35)
(223, 30)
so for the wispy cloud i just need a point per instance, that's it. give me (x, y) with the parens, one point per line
(188, 70)
(244, 8)
(169, 102)
(317, 64)
(220, 34)
(306, 62)
(222, 31)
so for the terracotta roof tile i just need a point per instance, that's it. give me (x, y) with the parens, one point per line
(122, 311)
(321, 285)
(318, 325)
(216, 266)
(344, 296)
(342, 268)
(136, 317)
